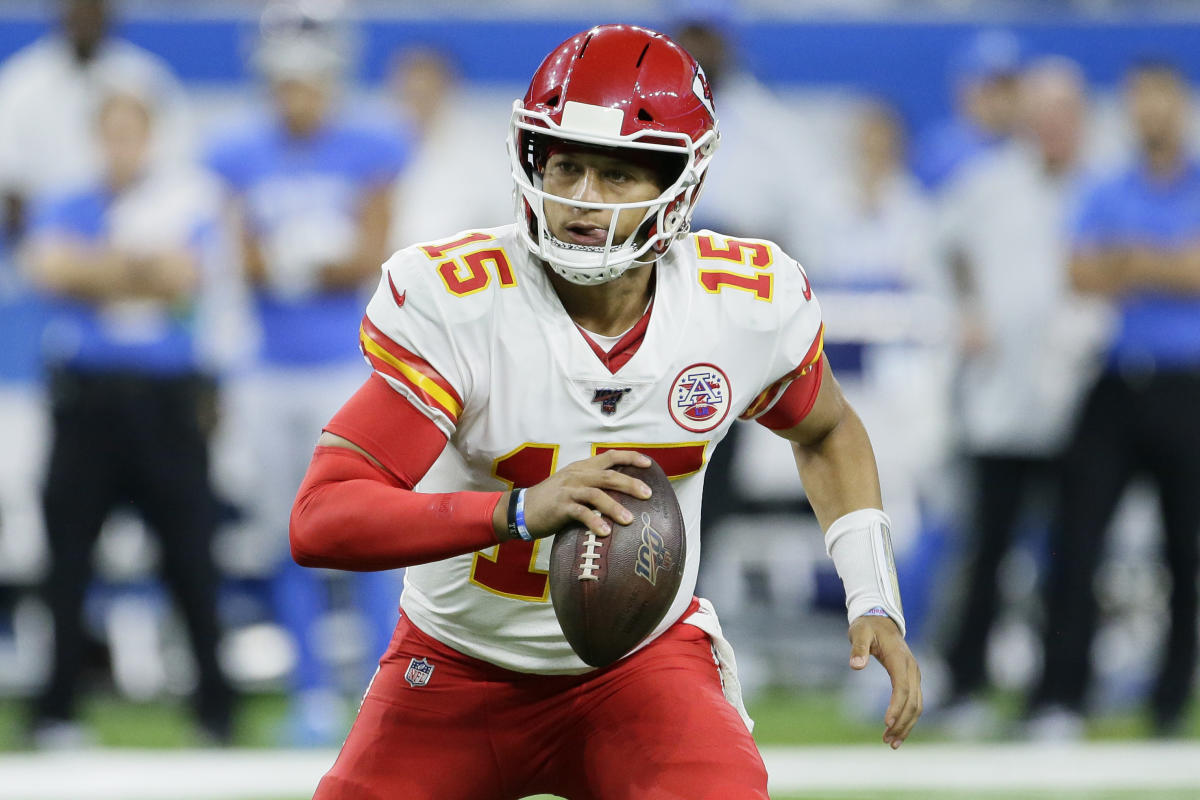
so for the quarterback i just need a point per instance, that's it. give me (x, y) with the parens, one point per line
(513, 367)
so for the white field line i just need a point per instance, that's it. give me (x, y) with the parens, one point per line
(1116, 765)
(247, 774)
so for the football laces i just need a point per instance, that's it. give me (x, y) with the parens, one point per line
(589, 561)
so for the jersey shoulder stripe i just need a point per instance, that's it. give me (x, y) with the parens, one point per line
(767, 398)
(405, 366)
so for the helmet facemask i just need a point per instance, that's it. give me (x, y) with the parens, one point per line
(665, 218)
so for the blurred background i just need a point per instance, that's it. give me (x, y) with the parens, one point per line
(996, 203)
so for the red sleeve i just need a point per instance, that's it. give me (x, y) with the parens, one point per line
(787, 401)
(796, 401)
(353, 514)
(381, 421)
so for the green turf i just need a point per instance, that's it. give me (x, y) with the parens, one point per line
(972, 795)
(782, 717)
(156, 725)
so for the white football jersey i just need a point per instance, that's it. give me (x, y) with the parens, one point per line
(471, 331)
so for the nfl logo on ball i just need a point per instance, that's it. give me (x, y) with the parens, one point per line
(418, 672)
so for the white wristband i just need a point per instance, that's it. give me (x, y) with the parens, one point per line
(860, 544)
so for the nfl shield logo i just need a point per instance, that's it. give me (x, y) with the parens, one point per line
(418, 672)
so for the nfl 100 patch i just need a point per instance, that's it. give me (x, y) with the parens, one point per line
(607, 399)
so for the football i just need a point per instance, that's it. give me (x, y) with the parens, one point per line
(610, 592)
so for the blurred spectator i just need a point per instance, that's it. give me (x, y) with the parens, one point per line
(742, 197)
(1137, 241)
(48, 93)
(313, 192)
(1023, 344)
(868, 245)
(751, 189)
(454, 180)
(47, 99)
(121, 261)
(985, 75)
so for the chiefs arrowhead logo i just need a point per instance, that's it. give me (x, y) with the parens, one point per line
(703, 91)
(398, 296)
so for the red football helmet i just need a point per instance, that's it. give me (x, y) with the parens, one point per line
(624, 87)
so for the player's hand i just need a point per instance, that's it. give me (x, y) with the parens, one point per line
(576, 493)
(879, 636)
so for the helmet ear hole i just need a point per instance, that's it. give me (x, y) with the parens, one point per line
(644, 115)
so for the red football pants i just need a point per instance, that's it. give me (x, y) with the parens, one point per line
(653, 726)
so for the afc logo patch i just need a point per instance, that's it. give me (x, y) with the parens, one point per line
(700, 398)
(608, 399)
(418, 673)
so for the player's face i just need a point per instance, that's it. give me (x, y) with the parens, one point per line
(1158, 106)
(124, 137)
(85, 22)
(995, 103)
(595, 178)
(303, 104)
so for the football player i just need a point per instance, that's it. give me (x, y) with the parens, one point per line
(514, 367)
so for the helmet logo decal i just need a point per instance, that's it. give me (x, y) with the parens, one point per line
(702, 90)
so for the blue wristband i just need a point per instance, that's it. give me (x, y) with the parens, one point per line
(522, 531)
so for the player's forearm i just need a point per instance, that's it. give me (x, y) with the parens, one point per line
(74, 271)
(351, 273)
(838, 470)
(169, 276)
(351, 515)
(1170, 271)
(363, 264)
(1099, 273)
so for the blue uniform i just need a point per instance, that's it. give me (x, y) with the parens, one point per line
(91, 338)
(944, 149)
(1139, 419)
(325, 176)
(1158, 329)
(21, 317)
(301, 201)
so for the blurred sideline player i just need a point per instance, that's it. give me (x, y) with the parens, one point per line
(870, 244)
(312, 190)
(453, 180)
(985, 72)
(592, 332)
(122, 263)
(48, 96)
(1024, 357)
(1136, 241)
(743, 199)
